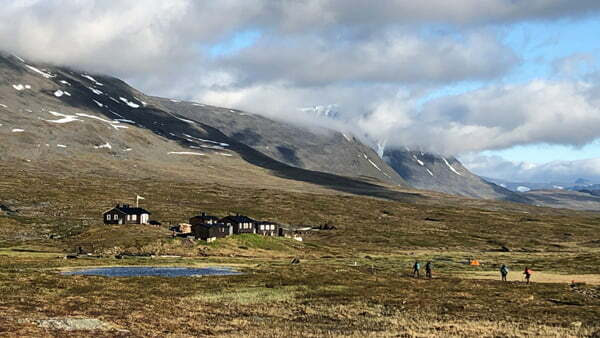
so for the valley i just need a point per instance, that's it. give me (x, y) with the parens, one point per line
(352, 281)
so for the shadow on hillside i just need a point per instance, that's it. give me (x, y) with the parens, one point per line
(174, 127)
(331, 181)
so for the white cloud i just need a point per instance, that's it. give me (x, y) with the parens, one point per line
(499, 117)
(391, 57)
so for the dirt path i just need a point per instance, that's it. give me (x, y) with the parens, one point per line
(540, 277)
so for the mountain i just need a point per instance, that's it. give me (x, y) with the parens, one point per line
(435, 172)
(527, 186)
(72, 120)
(58, 115)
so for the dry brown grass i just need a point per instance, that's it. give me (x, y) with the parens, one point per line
(327, 294)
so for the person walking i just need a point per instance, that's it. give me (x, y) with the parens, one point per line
(416, 269)
(527, 274)
(428, 268)
(504, 272)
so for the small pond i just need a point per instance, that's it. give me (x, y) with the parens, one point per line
(139, 271)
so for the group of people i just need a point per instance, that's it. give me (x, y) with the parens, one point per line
(526, 273)
(503, 271)
(417, 269)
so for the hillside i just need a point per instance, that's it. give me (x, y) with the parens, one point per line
(56, 119)
(435, 172)
(58, 115)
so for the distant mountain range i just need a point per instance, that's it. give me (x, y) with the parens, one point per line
(579, 184)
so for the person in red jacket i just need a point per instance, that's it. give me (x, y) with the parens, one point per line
(527, 274)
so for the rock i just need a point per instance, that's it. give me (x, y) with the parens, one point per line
(76, 324)
(576, 324)
(295, 261)
(504, 249)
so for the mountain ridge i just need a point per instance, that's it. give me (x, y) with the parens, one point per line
(40, 103)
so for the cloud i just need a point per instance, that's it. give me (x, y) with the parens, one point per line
(498, 117)
(556, 171)
(392, 57)
(574, 64)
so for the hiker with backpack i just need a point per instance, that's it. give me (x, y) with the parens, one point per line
(504, 272)
(527, 274)
(428, 268)
(416, 269)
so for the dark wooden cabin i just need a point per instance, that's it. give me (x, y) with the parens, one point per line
(203, 218)
(241, 224)
(124, 214)
(210, 232)
(266, 228)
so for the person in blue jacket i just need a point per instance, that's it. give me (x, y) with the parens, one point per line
(416, 269)
(503, 272)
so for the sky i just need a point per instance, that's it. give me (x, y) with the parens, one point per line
(510, 87)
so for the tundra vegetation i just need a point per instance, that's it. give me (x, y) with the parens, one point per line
(351, 281)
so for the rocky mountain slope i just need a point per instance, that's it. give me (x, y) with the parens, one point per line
(54, 110)
(72, 120)
(438, 173)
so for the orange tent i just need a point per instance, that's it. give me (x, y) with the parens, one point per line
(474, 262)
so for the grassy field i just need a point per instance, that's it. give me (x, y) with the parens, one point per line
(351, 281)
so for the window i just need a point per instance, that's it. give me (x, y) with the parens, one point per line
(128, 217)
(134, 217)
(115, 217)
(262, 227)
(108, 217)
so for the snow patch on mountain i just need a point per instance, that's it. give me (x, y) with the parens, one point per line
(18, 58)
(373, 163)
(126, 121)
(64, 118)
(21, 87)
(17, 130)
(114, 124)
(380, 148)
(96, 91)
(185, 153)
(451, 167)
(106, 145)
(129, 103)
(328, 111)
(522, 188)
(207, 141)
(42, 73)
(92, 79)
